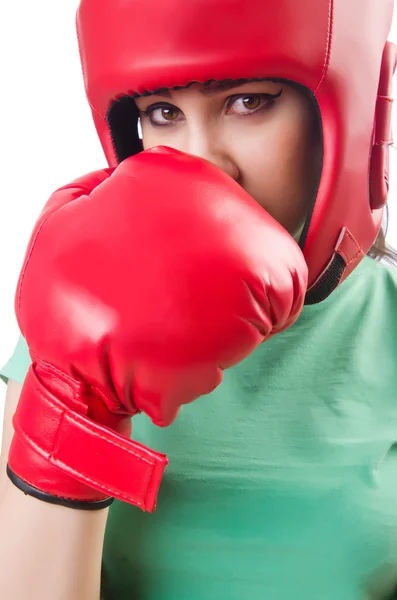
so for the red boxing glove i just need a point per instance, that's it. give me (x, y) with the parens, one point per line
(139, 287)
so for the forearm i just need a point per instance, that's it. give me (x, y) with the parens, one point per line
(12, 396)
(48, 551)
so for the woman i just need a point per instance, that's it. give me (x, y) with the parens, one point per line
(281, 481)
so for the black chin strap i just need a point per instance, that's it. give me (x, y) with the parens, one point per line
(327, 282)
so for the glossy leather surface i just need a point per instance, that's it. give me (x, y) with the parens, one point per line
(332, 47)
(139, 287)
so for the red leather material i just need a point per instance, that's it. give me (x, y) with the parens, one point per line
(333, 47)
(140, 46)
(383, 139)
(95, 462)
(139, 287)
(347, 247)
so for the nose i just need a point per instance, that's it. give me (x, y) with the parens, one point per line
(204, 145)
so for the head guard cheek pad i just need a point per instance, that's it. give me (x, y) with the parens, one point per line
(336, 49)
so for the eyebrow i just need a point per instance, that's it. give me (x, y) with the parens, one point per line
(213, 88)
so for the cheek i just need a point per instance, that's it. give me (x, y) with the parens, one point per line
(273, 163)
(157, 136)
(147, 137)
(173, 137)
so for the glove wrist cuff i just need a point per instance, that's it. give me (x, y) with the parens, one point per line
(29, 490)
(63, 453)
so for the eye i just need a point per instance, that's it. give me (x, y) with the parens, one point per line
(250, 103)
(161, 114)
(169, 114)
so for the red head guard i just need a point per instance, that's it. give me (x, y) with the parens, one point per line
(336, 49)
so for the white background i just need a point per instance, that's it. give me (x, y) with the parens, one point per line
(47, 135)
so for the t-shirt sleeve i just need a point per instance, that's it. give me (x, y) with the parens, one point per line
(18, 365)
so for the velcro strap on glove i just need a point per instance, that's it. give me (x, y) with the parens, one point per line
(84, 450)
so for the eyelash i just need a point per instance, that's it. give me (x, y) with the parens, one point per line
(271, 99)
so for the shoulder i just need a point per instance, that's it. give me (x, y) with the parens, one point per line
(365, 301)
(371, 279)
(379, 269)
(373, 300)
(379, 278)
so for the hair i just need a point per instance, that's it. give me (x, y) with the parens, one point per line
(381, 251)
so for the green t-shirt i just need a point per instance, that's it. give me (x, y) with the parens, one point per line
(282, 483)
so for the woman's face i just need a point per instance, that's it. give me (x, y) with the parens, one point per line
(263, 134)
